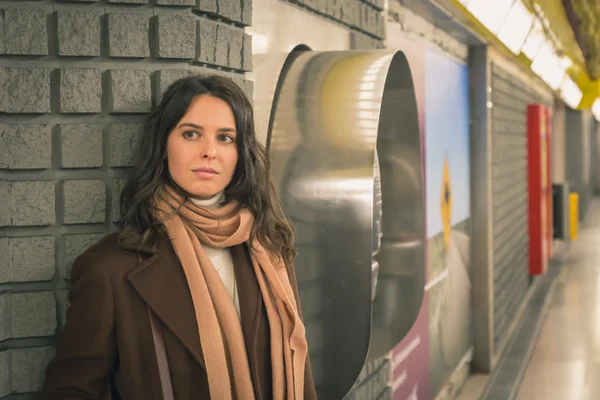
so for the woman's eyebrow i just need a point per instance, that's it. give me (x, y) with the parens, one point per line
(199, 127)
(191, 125)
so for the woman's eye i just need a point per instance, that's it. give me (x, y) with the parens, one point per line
(226, 139)
(189, 134)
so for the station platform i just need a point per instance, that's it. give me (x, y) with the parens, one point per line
(566, 357)
(554, 353)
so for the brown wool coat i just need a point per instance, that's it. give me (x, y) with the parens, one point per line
(107, 345)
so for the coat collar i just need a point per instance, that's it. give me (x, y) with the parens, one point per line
(160, 281)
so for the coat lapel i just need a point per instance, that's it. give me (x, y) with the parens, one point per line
(161, 283)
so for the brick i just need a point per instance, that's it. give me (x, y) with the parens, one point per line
(24, 90)
(247, 53)
(32, 203)
(229, 47)
(81, 145)
(239, 82)
(230, 9)
(25, 146)
(28, 367)
(177, 2)
(167, 77)
(246, 86)
(25, 32)
(5, 265)
(5, 317)
(378, 4)
(75, 245)
(123, 141)
(247, 12)
(349, 12)
(176, 36)
(78, 34)
(130, 91)
(32, 258)
(80, 91)
(363, 16)
(33, 314)
(4, 199)
(235, 49)
(356, 15)
(319, 5)
(117, 188)
(208, 6)
(370, 19)
(5, 384)
(85, 201)
(207, 41)
(129, 1)
(128, 35)
(2, 51)
(334, 9)
(224, 35)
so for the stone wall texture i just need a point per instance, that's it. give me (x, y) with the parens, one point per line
(364, 19)
(76, 79)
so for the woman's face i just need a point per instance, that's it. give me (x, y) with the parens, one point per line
(201, 150)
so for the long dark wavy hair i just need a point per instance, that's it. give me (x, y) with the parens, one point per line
(250, 184)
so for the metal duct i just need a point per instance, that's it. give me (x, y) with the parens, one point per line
(332, 113)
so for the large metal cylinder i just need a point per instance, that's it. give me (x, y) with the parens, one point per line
(333, 113)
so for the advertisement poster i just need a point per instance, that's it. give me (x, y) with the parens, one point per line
(442, 334)
(447, 182)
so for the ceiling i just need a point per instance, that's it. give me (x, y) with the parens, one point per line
(584, 18)
(573, 24)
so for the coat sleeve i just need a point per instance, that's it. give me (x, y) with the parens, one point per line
(310, 392)
(86, 353)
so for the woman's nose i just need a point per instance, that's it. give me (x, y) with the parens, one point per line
(209, 150)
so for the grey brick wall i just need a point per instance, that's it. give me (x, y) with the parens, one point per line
(76, 78)
(364, 18)
(510, 97)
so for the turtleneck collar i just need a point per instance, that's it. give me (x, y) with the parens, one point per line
(214, 202)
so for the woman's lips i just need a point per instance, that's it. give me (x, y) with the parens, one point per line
(205, 172)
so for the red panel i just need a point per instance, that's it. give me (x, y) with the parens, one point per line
(549, 221)
(540, 188)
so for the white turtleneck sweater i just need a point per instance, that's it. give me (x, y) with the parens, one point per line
(221, 257)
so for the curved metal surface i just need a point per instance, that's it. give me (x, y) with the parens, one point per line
(332, 111)
(401, 281)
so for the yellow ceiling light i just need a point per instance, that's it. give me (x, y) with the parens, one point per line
(596, 109)
(535, 40)
(516, 27)
(548, 66)
(538, 32)
(490, 13)
(570, 93)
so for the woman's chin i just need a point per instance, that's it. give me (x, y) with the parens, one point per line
(203, 194)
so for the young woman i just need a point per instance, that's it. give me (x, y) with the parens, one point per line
(196, 296)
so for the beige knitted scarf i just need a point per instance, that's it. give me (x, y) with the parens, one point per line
(221, 338)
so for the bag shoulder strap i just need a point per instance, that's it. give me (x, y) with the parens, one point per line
(161, 357)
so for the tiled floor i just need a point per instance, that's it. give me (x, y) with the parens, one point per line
(565, 363)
